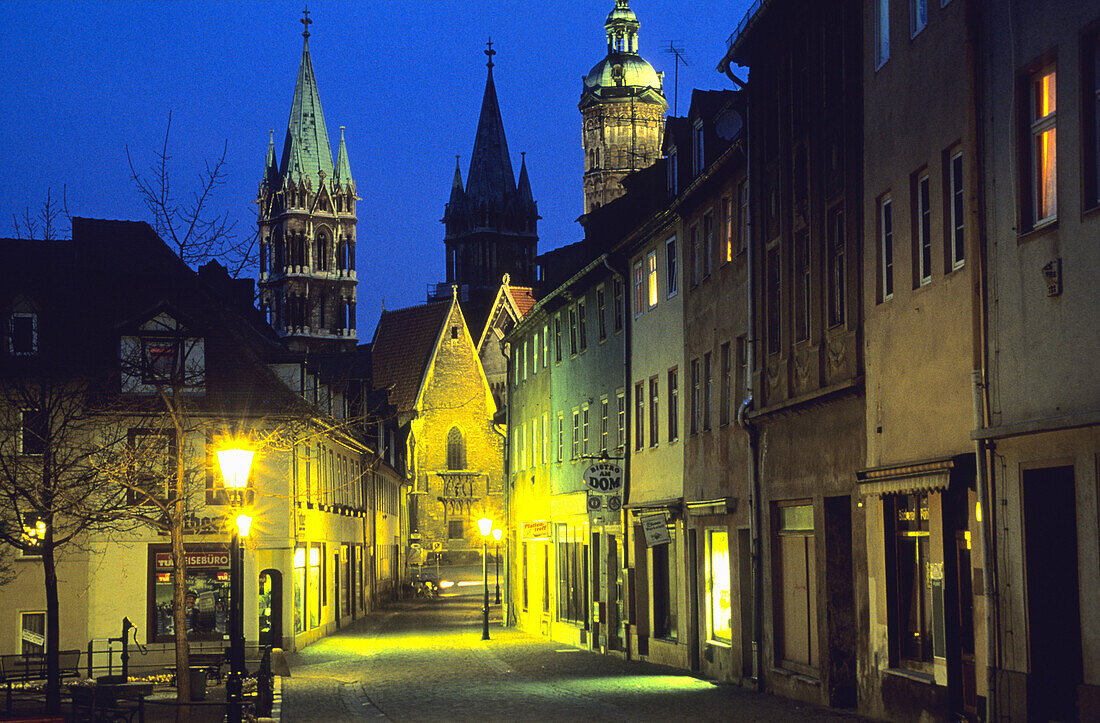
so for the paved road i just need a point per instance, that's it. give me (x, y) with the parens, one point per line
(425, 660)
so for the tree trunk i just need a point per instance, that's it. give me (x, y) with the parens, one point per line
(179, 578)
(53, 673)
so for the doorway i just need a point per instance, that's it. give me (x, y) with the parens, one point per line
(1053, 607)
(271, 608)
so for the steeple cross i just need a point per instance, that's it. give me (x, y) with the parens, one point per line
(490, 52)
(305, 21)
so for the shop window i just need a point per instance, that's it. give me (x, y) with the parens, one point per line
(909, 584)
(314, 586)
(546, 577)
(572, 600)
(32, 637)
(719, 610)
(664, 589)
(206, 600)
(796, 573)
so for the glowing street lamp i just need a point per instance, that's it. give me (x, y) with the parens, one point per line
(496, 536)
(235, 463)
(485, 525)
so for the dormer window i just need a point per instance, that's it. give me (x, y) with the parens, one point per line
(161, 361)
(23, 333)
(698, 159)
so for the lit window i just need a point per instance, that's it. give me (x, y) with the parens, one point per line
(882, 32)
(651, 277)
(671, 281)
(923, 215)
(1044, 147)
(719, 609)
(958, 237)
(886, 248)
(535, 353)
(727, 229)
(545, 345)
(910, 595)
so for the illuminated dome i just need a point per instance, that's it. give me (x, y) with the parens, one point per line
(622, 73)
(635, 71)
(621, 13)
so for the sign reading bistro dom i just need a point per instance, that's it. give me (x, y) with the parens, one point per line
(605, 492)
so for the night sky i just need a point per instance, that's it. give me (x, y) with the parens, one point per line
(87, 80)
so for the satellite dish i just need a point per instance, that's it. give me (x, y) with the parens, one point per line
(729, 124)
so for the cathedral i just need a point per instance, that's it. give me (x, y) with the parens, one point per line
(623, 110)
(307, 228)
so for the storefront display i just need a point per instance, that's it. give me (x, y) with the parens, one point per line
(207, 598)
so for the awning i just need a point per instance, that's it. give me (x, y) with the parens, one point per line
(932, 476)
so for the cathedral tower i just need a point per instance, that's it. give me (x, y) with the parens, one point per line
(307, 228)
(492, 223)
(623, 110)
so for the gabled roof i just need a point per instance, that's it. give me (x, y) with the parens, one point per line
(515, 301)
(402, 348)
(523, 297)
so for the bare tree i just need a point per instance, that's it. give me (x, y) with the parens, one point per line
(190, 225)
(46, 224)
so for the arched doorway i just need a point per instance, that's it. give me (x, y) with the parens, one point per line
(270, 608)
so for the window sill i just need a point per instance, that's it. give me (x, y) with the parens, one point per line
(720, 644)
(795, 675)
(1037, 231)
(913, 675)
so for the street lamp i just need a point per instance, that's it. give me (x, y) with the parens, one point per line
(496, 536)
(485, 525)
(235, 463)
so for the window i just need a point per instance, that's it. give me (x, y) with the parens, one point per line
(708, 242)
(545, 345)
(1090, 118)
(456, 449)
(796, 608)
(727, 229)
(772, 289)
(557, 338)
(651, 278)
(837, 269)
(603, 424)
(32, 638)
(719, 610)
(801, 286)
(886, 248)
(909, 590)
(152, 466)
(584, 430)
(572, 331)
(572, 583)
(535, 439)
(523, 360)
(33, 428)
(694, 251)
(545, 438)
(673, 405)
(742, 381)
(455, 529)
(561, 437)
(582, 326)
(1044, 197)
(162, 361)
(882, 32)
(957, 235)
(23, 334)
(535, 354)
(727, 388)
(639, 289)
(523, 447)
(665, 567)
(654, 413)
(576, 449)
(671, 282)
(698, 159)
(695, 406)
(922, 218)
(743, 216)
(673, 170)
(639, 415)
(601, 313)
(918, 16)
(706, 390)
(617, 303)
(620, 406)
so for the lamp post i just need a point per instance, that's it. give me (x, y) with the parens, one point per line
(496, 536)
(235, 463)
(485, 525)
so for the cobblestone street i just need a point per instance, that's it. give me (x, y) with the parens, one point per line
(425, 660)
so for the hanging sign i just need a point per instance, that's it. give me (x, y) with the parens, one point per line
(655, 528)
(605, 477)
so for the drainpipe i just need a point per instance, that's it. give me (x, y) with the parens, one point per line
(509, 515)
(983, 449)
(742, 416)
(624, 516)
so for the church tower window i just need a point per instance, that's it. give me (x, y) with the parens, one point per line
(456, 450)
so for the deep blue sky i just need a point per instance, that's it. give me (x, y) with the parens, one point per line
(85, 80)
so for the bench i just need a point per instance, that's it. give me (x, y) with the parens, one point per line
(31, 667)
(211, 662)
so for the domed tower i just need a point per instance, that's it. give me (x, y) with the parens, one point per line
(623, 110)
(307, 228)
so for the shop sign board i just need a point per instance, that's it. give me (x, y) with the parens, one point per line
(655, 528)
(536, 530)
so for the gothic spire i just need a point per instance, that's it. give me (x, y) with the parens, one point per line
(523, 192)
(343, 168)
(271, 166)
(457, 194)
(490, 179)
(306, 150)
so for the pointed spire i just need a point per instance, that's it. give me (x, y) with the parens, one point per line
(491, 179)
(523, 191)
(271, 167)
(306, 150)
(457, 194)
(343, 168)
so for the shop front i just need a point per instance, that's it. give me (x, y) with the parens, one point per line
(206, 600)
